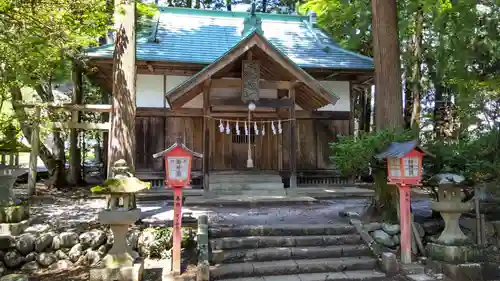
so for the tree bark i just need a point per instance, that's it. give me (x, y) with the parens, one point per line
(123, 100)
(414, 86)
(388, 95)
(77, 97)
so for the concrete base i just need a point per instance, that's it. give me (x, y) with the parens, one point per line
(125, 273)
(248, 200)
(454, 254)
(14, 229)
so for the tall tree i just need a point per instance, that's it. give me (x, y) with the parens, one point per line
(37, 39)
(123, 100)
(388, 95)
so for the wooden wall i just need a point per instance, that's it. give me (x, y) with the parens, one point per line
(269, 152)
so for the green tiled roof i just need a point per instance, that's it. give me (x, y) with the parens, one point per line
(202, 36)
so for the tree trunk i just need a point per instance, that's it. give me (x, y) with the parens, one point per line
(416, 83)
(368, 110)
(264, 6)
(388, 95)
(122, 133)
(74, 157)
(383, 206)
(229, 5)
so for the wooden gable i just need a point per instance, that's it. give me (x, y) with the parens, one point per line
(275, 66)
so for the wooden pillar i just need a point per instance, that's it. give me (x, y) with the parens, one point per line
(122, 134)
(74, 153)
(293, 139)
(35, 146)
(206, 136)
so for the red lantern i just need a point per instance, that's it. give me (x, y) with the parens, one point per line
(405, 170)
(178, 162)
(178, 159)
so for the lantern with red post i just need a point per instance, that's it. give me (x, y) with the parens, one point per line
(178, 160)
(404, 169)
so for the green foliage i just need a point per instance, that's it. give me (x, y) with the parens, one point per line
(353, 155)
(163, 242)
(477, 159)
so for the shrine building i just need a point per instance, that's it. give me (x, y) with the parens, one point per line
(255, 94)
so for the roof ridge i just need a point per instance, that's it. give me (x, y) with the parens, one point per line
(230, 14)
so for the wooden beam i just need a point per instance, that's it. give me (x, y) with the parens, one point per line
(206, 136)
(72, 107)
(263, 102)
(35, 147)
(236, 83)
(82, 125)
(198, 112)
(293, 140)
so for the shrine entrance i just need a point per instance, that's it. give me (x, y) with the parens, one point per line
(252, 81)
(230, 151)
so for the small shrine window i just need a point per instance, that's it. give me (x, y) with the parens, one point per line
(394, 167)
(411, 166)
(242, 138)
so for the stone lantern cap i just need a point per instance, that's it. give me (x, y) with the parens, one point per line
(121, 186)
(122, 182)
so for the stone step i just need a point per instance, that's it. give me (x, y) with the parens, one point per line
(247, 186)
(245, 179)
(256, 192)
(253, 242)
(284, 267)
(286, 253)
(358, 275)
(281, 230)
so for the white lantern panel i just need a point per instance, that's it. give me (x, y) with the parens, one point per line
(178, 168)
(411, 166)
(394, 167)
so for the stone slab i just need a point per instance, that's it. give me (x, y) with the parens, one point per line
(454, 254)
(275, 267)
(248, 201)
(281, 230)
(335, 192)
(14, 229)
(126, 273)
(420, 277)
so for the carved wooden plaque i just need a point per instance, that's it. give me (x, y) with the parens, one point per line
(251, 81)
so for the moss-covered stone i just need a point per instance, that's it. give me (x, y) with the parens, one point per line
(121, 185)
(14, 214)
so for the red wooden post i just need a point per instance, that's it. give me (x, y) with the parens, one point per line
(405, 217)
(177, 231)
(178, 160)
(404, 169)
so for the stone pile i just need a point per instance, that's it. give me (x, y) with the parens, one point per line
(40, 247)
(389, 235)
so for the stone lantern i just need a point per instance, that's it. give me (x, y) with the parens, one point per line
(121, 262)
(14, 213)
(453, 247)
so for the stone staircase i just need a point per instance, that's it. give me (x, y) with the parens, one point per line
(246, 183)
(291, 253)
